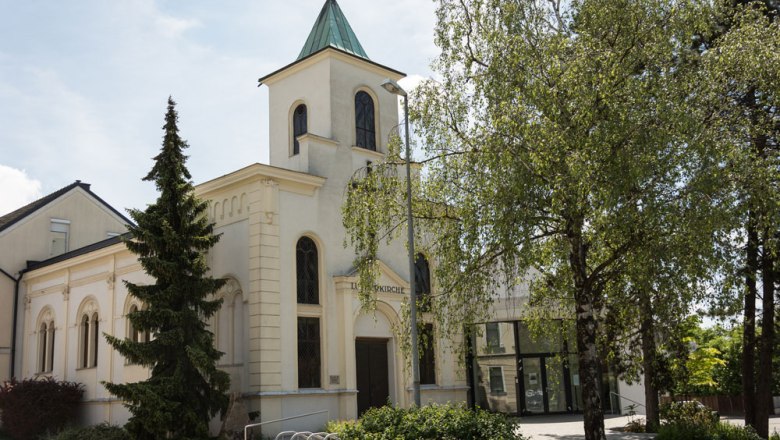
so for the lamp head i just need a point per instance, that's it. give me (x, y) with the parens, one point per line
(393, 87)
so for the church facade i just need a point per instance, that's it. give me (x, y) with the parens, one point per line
(292, 328)
(295, 337)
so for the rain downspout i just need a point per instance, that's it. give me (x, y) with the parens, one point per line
(13, 329)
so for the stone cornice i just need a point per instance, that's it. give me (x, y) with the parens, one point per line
(292, 181)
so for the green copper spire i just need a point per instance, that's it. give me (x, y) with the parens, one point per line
(332, 29)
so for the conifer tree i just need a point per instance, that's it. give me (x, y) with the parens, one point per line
(171, 238)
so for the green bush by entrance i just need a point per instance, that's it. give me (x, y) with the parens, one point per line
(446, 422)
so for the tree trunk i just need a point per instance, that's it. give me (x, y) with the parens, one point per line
(764, 385)
(647, 330)
(749, 327)
(587, 330)
(589, 369)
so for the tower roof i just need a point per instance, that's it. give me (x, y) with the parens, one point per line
(332, 29)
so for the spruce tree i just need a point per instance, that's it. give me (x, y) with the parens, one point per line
(171, 238)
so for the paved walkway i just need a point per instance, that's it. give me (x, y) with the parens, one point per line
(569, 427)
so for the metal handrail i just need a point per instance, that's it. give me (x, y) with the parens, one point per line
(622, 397)
(254, 425)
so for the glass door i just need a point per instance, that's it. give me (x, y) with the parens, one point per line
(555, 385)
(533, 387)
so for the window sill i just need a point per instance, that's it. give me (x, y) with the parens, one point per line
(86, 368)
(313, 310)
(370, 153)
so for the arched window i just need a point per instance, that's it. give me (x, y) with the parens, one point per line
(307, 271)
(43, 335)
(299, 126)
(46, 341)
(89, 336)
(84, 341)
(365, 132)
(94, 328)
(228, 324)
(133, 333)
(46, 347)
(422, 282)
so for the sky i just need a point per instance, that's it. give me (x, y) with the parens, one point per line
(84, 83)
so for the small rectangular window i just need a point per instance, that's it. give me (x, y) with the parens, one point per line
(59, 236)
(496, 380)
(309, 359)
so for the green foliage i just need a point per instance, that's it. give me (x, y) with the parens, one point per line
(689, 413)
(32, 407)
(446, 422)
(563, 150)
(104, 431)
(171, 238)
(717, 431)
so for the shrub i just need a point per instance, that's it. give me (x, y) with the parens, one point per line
(684, 431)
(725, 431)
(446, 422)
(32, 407)
(104, 431)
(689, 413)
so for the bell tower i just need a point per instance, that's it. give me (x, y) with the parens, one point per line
(328, 113)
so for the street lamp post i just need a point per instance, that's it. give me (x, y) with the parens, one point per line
(393, 87)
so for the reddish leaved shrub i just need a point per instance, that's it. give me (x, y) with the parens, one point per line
(32, 407)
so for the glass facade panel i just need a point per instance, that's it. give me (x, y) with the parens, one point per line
(497, 338)
(549, 343)
(495, 368)
(541, 376)
(576, 388)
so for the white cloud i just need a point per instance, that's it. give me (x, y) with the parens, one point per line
(18, 189)
(411, 82)
(174, 27)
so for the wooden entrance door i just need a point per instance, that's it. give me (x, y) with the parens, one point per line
(371, 369)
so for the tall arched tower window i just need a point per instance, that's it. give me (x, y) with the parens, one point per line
(422, 282)
(306, 266)
(365, 131)
(299, 126)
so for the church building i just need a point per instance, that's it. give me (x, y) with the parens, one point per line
(295, 337)
(291, 326)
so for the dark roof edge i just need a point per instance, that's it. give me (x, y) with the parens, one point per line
(111, 208)
(7, 274)
(365, 60)
(77, 252)
(47, 199)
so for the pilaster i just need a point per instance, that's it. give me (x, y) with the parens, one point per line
(264, 292)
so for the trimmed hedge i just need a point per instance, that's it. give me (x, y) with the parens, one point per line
(36, 406)
(445, 422)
